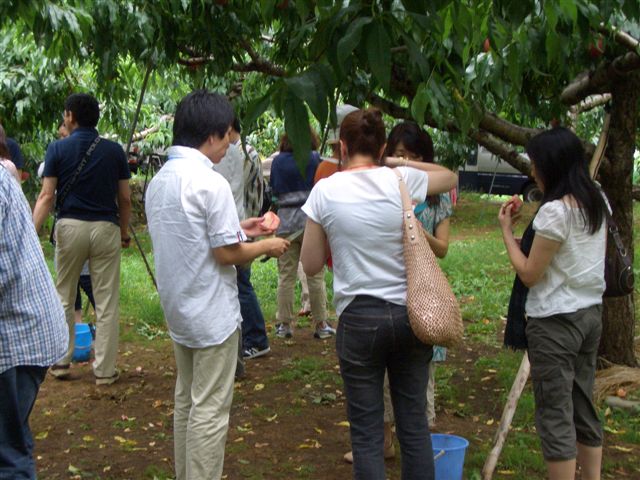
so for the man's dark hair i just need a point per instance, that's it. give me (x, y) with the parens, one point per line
(236, 125)
(200, 115)
(85, 109)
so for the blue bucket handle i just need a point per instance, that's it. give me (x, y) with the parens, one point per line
(439, 455)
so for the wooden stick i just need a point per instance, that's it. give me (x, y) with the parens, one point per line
(507, 416)
(598, 155)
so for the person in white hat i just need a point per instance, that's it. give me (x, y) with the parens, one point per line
(331, 165)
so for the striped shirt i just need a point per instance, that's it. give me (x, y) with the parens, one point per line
(33, 330)
(253, 183)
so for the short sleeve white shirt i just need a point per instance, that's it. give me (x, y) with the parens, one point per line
(575, 277)
(190, 210)
(361, 213)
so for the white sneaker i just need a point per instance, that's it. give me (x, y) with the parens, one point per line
(324, 330)
(284, 330)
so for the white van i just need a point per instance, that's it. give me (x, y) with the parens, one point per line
(488, 173)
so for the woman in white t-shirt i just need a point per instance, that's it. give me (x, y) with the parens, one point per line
(565, 275)
(357, 214)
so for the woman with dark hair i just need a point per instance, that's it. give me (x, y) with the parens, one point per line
(291, 190)
(565, 275)
(5, 156)
(357, 214)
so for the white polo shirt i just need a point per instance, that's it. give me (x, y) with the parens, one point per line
(190, 210)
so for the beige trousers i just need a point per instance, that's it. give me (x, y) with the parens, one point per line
(204, 391)
(287, 273)
(305, 304)
(431, 388)
(99, 242)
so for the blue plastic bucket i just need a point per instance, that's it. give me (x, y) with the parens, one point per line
(82, 345)
(448, 454)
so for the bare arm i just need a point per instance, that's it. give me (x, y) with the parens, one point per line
(314, 251)
(530, 269)
(240, 253)
(441, 179)
(439, 242)
(45, 201)
(124, 210)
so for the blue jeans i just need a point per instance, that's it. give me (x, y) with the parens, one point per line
(374, 336)
(19, 387)
(254, 331)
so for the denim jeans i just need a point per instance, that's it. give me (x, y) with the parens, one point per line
(374, 336)
(254, 331)
(19, 387)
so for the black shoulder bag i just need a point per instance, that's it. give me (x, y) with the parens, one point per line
(618, 270)
(62, 196)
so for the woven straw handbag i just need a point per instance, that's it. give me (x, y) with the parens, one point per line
(434, 313)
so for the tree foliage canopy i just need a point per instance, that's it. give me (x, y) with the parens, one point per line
(492, 68)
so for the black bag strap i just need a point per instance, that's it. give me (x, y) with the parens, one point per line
(615, 234)
(62, 196)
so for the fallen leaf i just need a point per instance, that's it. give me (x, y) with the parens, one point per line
(88, 438)
(261, 445)
(238, 440)
(271, 419)
(258, 386)
(344, 423)
(73, 470)
(490, 422)
(42, 435)
(622, 449)
(319, 430)
(106, 469)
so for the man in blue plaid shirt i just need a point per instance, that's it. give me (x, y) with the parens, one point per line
(33, 330)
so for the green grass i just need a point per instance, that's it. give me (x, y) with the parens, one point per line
(481, 276)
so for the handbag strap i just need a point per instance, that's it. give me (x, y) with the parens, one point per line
(404, 192)
(67, 188)
(615, 234)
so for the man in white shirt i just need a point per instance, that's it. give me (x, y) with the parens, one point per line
(197, 239)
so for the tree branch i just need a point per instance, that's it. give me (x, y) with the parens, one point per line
(599, 80)
(505, 130)
(258, 63)
(503, 150)
(591, 102)
(388, 107)
(622, 38)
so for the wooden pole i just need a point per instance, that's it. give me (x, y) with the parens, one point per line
(507, 416)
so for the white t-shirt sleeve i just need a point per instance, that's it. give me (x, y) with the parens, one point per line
(417, 182)
(223, 225)
(551, 221)
(312, 207)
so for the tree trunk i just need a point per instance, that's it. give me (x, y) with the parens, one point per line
(616, 344)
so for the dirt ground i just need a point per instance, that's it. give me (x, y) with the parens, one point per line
(288, 418)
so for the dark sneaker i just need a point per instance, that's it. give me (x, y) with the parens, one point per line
(284, 330)
(324, 330)
(254, 352)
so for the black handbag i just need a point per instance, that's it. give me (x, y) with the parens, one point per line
(618, 270)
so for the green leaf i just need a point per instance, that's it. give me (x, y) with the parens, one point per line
(379, 54)
(419, 103)
(351, 39)
(310, 87)
(296, 124)
(256, 108)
